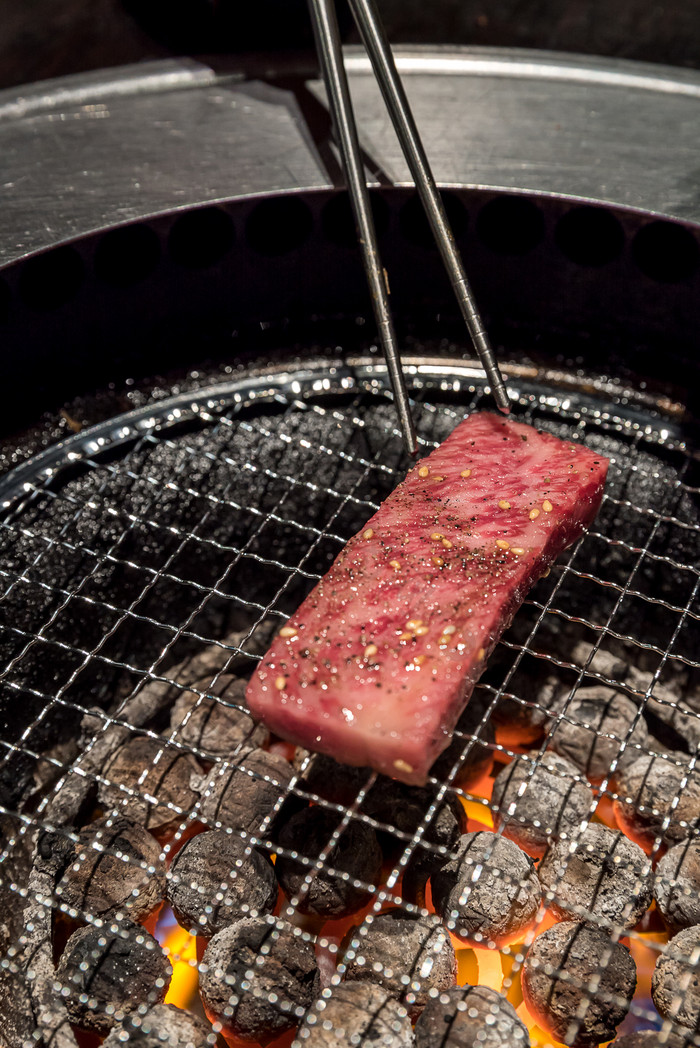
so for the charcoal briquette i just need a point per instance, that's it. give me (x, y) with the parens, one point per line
(600, 876)
(258, 977)
(578, 983)
(488, 892)
(327, 778)
(151, 769)
(162, 1026)
(677, 885)
(114, 866)
(594, 724)
(470, 1017)
(658, 797)
(675, 985)
(245, 796)
(355, 853)
(110, 971)
(212, 718)
(653, 1039)
(216, 879)
(410, 956)
(537, 799)
(404, 808)
(356, 1013)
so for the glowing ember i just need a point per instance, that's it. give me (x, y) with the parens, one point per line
(182, 950)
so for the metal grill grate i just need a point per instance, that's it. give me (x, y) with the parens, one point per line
(152, 553)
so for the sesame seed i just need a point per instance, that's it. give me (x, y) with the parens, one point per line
(413, 624)
(281, 683)
(466, 473)
(443, 641)
(370, 650)
(424, 471)
(403, 766)
(534, 514)
(288, 631)
(421, 631)
(480, 653)
(368, 533)
(449, 630)
(438, 478)
(503, 504)
(436, 536)
(502, 544)
(547, 506)
(517, 549)
(419, 659)
(447, 544)
(405, 637)
(545, 573)
(437, 561)
(395, 564)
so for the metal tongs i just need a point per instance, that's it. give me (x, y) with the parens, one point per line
(330, 55)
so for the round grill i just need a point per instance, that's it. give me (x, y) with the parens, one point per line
(165, 547)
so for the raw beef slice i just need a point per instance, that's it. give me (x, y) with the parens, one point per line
(378, 662)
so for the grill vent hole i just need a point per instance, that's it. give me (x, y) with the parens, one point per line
(414, 224)
(201, 238)
(590, 236)
(126, 256)
(50, 280)
(666, 252)
(510, 225)
(277, 226)
(339, 225)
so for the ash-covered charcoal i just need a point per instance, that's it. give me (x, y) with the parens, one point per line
(257, 978)
(664, 1038)
(356, 1013)
(404, 808)
(672, 710)
(335, 782)
(110, 971)
(538, 799)
(162, 1026)
(488, 892)
(412, 957)
(216, 879)
(212, 718)
(675, 984)
(472, 747)
(677, 885)
(600, 876)
(245, 795)
(578, 984)
(594, 725)
(658, 797)
(355, 853)
(151, 769)
(470, 1017)
(115, 865)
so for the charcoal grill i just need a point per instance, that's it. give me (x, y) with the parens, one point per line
(165, 542)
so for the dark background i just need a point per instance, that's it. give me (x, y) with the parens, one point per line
(45, 38)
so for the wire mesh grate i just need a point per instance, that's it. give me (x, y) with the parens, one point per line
(144, 570)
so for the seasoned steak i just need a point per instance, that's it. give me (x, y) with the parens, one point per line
(378, 662)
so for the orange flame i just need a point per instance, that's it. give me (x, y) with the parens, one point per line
(182, 950)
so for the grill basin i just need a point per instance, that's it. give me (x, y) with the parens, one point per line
(164, 546)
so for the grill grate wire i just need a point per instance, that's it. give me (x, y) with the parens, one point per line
(334, 452)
